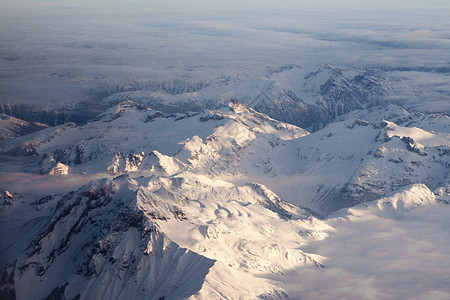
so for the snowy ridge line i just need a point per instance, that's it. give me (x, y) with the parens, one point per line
(310, 98)
(242, 145)
(224, 203)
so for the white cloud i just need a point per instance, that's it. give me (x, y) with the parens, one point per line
(380, 254)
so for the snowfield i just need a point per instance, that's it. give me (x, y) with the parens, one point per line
(228, 204)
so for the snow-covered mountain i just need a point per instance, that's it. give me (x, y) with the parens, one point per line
(147, 136)
(11, 127)
(290, 93)
(222, 203)
(307, 97)
(362, 156)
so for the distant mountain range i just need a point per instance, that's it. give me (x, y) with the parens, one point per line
(289, 94)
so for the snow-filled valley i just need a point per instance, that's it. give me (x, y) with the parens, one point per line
(227, 203)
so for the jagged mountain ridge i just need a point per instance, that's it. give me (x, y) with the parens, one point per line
(109, 250)
(361, 160)
(229, 194)
(309, 98)
(145, 130)
(116, 236)
(289, 93)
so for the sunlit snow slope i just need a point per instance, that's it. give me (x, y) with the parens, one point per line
(224, 203)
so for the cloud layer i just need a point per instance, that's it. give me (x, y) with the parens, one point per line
(59, 50)
(382, 255)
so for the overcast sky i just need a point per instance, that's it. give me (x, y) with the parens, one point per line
(60, 49)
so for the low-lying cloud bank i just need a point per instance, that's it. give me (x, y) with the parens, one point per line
(381, 254)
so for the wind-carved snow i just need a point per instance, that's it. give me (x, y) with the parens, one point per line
(225, 203)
